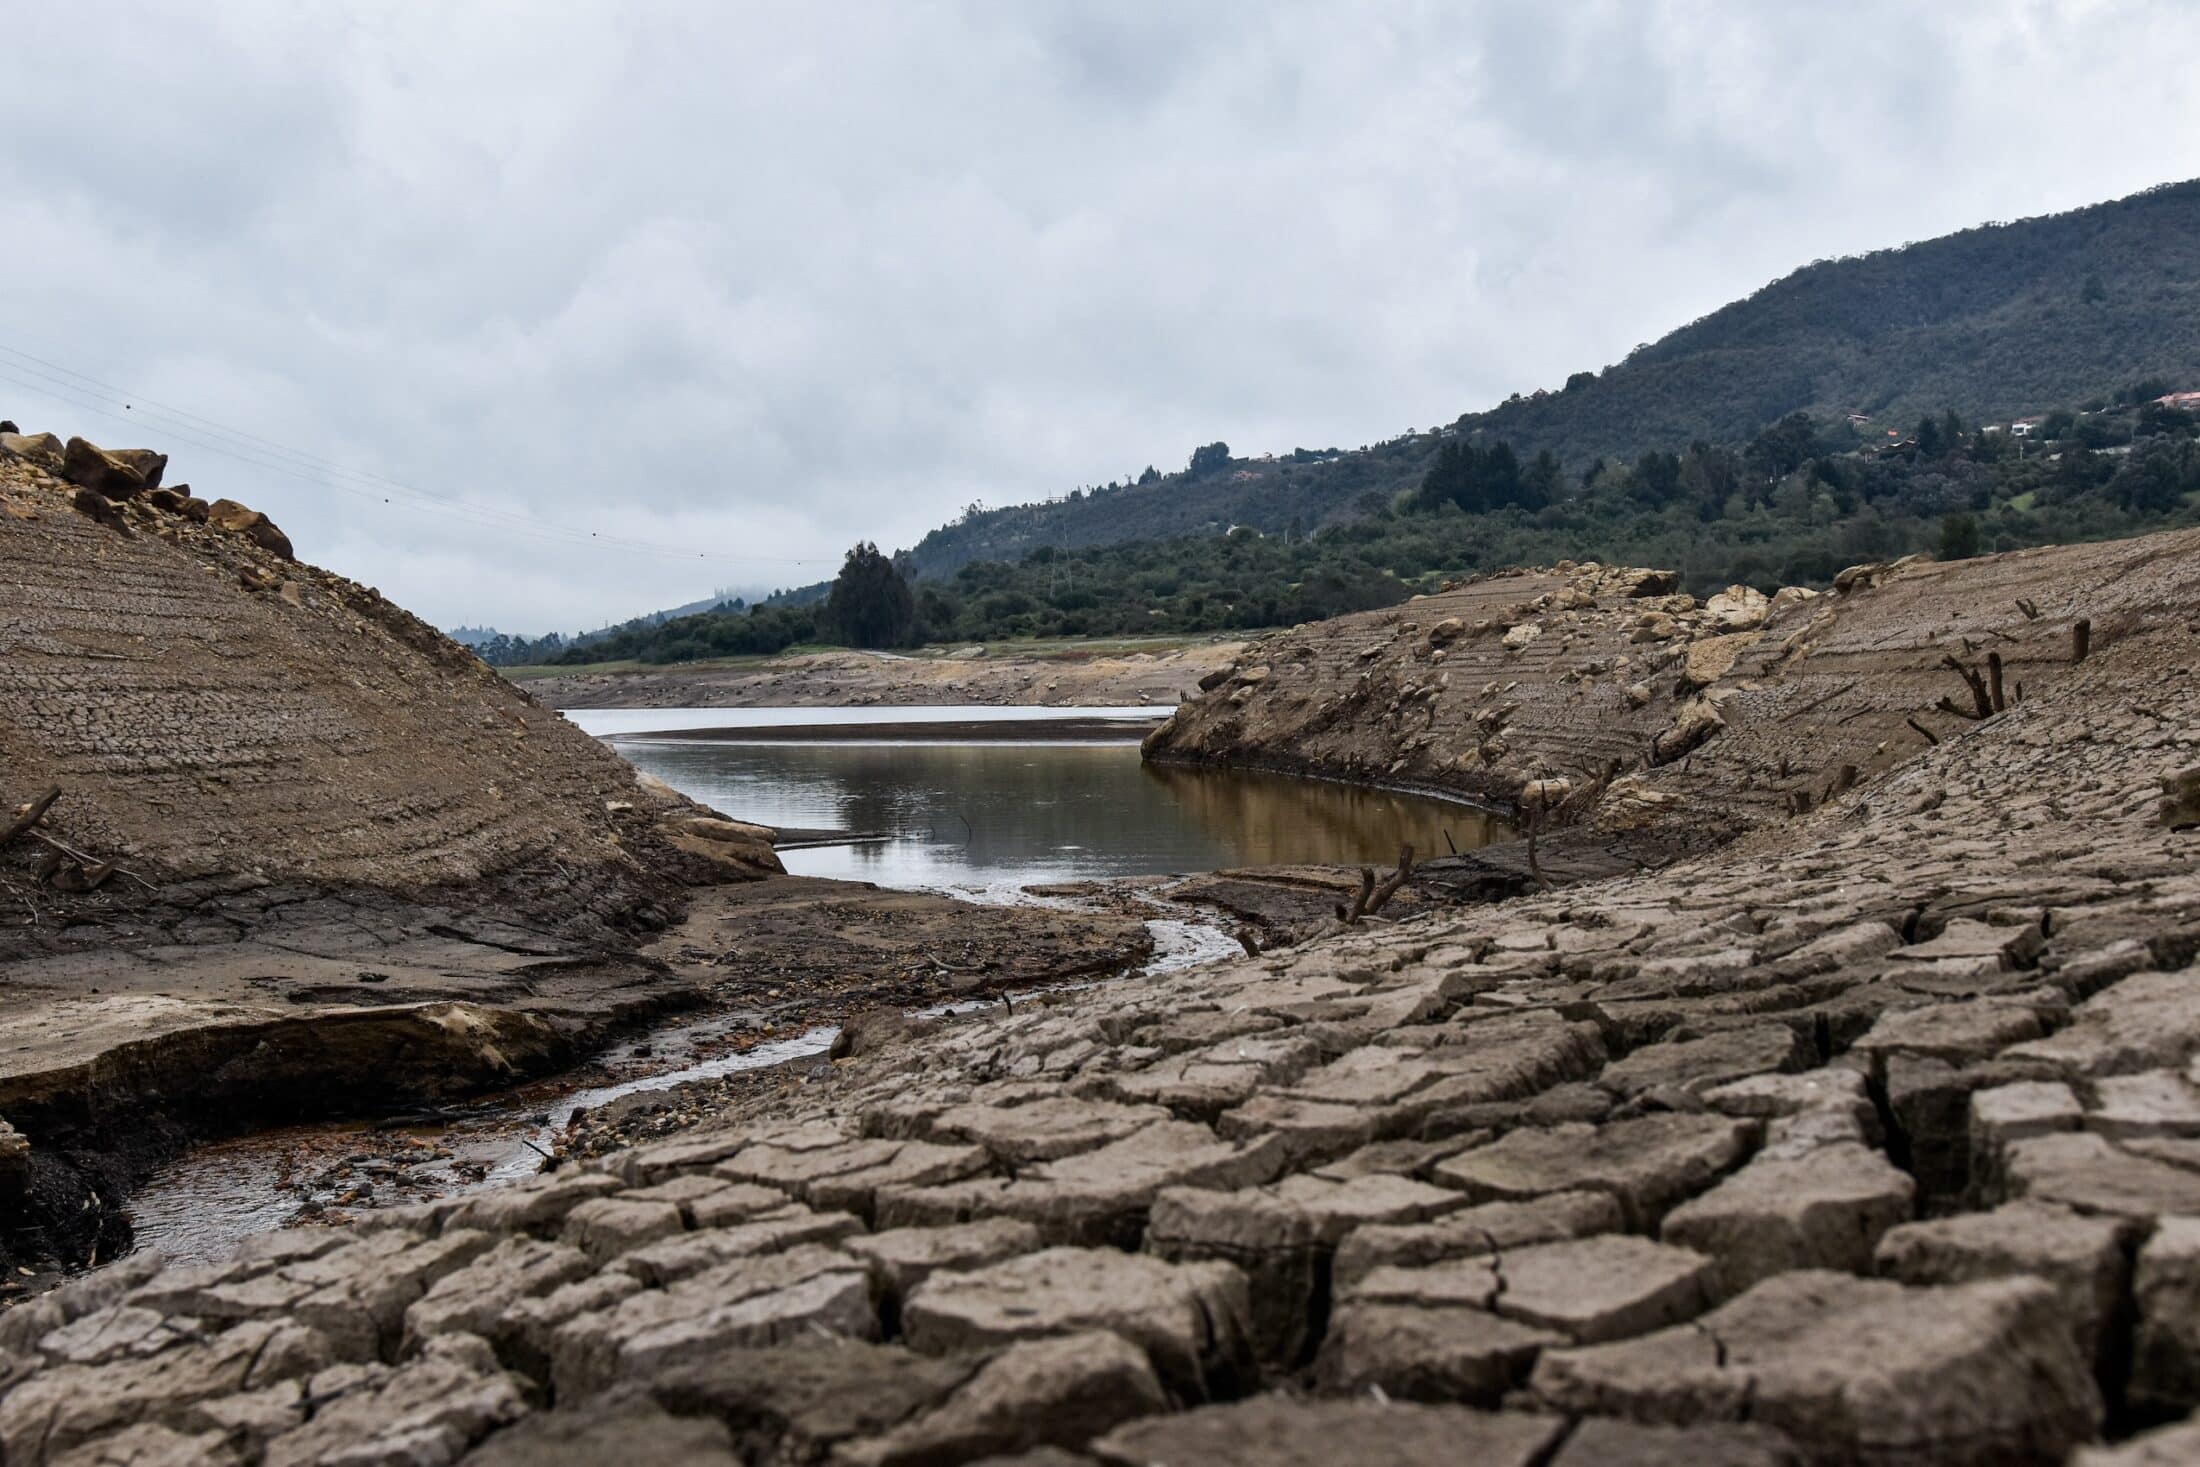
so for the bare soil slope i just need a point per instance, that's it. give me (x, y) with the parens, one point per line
(821, 679)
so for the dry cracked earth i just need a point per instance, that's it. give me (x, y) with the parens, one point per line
(1870, 1133)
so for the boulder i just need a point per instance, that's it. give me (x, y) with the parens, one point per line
(94, 505)
(1712, 658)
(1692, 727)
(1738, 609)
(123, 474)
(1517, 638)
(227, 514)
(40, 450)
(178, 501)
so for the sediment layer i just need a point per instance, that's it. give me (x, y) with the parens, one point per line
(1865, 1136)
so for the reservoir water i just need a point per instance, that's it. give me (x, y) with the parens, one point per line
(979, 814)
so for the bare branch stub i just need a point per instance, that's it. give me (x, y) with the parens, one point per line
(1981, 699)
(2030, 609)
(1922, 731)
(2081, 638)
(1358, 908)
(29, 815)
(1993, 679)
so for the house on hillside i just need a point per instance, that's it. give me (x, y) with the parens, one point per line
(2026, 427)
(2184, 402)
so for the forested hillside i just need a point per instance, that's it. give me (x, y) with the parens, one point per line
(1792, 504)
(1993, 322)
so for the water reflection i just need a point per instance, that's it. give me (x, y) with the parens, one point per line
(979, 814)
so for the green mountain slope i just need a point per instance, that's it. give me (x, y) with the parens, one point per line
(1992, 322)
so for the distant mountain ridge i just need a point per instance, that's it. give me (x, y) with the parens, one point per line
(1994, 321)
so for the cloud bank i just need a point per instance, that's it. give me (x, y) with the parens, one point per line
(747, 283)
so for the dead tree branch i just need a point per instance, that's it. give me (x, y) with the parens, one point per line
(29, 815)
(1923, 732)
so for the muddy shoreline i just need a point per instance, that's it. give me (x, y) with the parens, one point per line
(979, 731)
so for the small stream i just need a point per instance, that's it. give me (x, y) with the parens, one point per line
(198, 1207)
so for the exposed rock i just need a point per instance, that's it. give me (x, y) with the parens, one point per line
(117, 474)
(43, 450)
(1738, 609)
(1712, 658)
(227, 514)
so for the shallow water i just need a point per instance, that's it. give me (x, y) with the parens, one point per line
(616, 722)
(954, 816)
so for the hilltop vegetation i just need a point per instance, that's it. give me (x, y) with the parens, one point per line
(1792, 505)
(1992, 322)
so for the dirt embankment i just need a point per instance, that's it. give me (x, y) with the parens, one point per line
(302, 853)
(1867, 1137)
(1068, 679)
(1662, 724)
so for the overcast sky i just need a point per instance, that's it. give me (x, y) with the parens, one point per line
(748, 282)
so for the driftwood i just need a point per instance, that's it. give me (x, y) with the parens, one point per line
(29, 815)
(1922, 731)
(1380, 897)
(2081, 639)
(2031, 610)
(1993, 679)
(1372, 895)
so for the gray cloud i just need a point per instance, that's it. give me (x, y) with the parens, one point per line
(757, 281)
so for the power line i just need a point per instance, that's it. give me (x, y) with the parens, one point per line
(90, 394)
